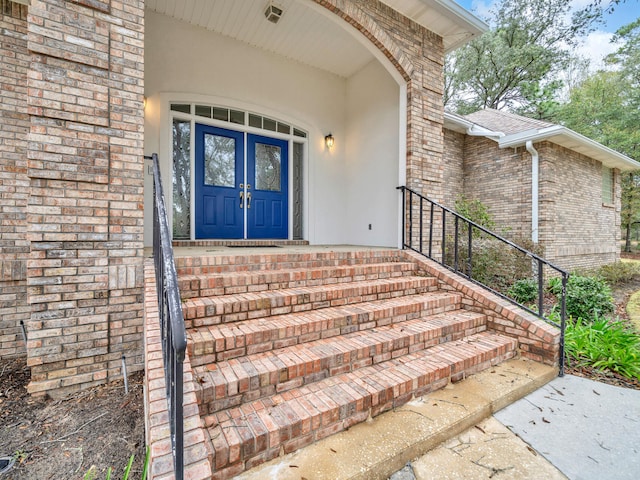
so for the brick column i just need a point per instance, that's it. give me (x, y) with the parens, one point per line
(85, 165)
(14, 191)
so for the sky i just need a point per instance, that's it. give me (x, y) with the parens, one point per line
(597, 45)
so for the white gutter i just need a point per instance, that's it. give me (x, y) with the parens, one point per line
(470, 128)
(602, 153)
(478, 131)
(535, 188)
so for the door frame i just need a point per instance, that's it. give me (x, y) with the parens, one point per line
(167, 117)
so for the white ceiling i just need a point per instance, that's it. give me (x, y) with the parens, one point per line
(305, 35)
(302, 34)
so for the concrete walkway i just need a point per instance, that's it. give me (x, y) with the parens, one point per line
(587, 429)
(570, 428)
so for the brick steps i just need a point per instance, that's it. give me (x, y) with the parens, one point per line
(246, 306)
(258, 431)
(286, 349)
(220, 264)
(210, 284)
(218, 342)
(231, 383)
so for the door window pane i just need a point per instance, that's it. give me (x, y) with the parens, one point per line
(267, 167)
(181, 179)
(219, 161)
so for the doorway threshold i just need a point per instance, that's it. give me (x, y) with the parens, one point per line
(239, 243)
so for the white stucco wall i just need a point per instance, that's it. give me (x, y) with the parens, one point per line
(186, 63)
(372, 157)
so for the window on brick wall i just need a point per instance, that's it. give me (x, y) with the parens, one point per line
(607, 185)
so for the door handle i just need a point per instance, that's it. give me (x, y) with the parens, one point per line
(248, 199)
(242, 199)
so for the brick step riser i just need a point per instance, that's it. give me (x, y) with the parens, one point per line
(216, 264)
(194, 286)
(224, 342)
(258, 432)
(235, 308)
(322, 361)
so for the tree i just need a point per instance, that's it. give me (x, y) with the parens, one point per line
(606, 107)
(516, 64)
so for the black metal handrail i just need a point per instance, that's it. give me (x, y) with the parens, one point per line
(460, 260)
(173, 333)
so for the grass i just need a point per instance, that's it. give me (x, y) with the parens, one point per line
(91, 473)
(605, 345)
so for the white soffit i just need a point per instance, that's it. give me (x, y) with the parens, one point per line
(452, 22)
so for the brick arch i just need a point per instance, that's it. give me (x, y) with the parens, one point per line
(353, 14)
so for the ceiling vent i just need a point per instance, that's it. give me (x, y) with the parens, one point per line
(273, 13)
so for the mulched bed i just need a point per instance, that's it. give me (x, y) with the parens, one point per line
(62, 439)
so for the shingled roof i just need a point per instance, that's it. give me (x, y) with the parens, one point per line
(511, 130)
(507, 123)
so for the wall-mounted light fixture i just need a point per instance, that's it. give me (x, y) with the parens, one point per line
(329, 141)
(144, 102)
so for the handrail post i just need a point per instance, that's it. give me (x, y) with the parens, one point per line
(444, 235)
(540, 289)
(421, 221)
(410, 218)
(470, 266)
(431, 232)
(404, 216)
(563, 321)
(455, 245)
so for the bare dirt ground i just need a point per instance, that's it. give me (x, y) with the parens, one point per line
(62, 439)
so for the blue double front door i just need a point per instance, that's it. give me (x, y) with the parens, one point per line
(241, 185)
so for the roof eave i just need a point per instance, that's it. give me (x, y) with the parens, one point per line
(461, 26)
(475, 26)
(462, 125)
(602, 153)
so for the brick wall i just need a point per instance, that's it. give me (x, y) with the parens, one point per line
(577, 229)
(14, 126)
(501, 179)
(85, 166)
(453, 162)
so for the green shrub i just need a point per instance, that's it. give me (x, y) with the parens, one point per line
(619, 272)
(474, 210)
(604, 345)
(554, 285)
(587, 297)
(524, 291)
